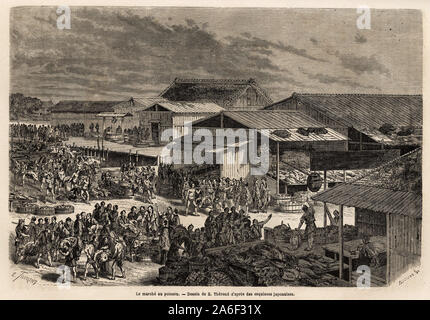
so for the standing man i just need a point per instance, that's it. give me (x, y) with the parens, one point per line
(191, 201)
(164, 241)
(308, 218)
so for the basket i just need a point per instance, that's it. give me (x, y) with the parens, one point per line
(290, 207)
(64, 209)
(27, 208)
(128, 193)
(46, 211)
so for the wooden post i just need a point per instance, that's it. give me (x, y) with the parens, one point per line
(341, 243)
(103, 132)
(325, 215)
(107, 154)
(325, 179)
(344, 175)
(129, 156)
(137, 158)
(387, 275)
(361, 141)
(122, 129)
(277, 168)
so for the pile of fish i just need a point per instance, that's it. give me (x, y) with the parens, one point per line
(323, 235)
(261, 264)
(298, 177)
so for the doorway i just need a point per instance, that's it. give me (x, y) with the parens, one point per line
(155, 132)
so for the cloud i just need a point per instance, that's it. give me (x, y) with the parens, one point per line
(247, 42)
(361, 64)
(102, 44)
(342, 80)
(117, 52)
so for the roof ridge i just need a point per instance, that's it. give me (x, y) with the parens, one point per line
(255, 85)
(355, 94)
(213, 80)
(268, 111)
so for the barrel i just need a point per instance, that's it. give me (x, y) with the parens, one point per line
(128, 192)
(64, 209)
(314, 182)
(27, 208)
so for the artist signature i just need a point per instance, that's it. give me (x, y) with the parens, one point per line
(409, 277)
(24, 277)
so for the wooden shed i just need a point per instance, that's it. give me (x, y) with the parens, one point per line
(388, 204)
(173, 115)
(285, 130)
(360, 117)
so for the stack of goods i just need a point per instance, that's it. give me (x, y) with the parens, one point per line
(28, 208)
(263, 264)
(306, 132)
(64, 209)
(282, 133)
(46, 211)
(332, 234)
(282, 234)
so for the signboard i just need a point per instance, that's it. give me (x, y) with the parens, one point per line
(351, 160)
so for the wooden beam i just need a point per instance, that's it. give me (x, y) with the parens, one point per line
(277, 169)
(387, 272)
(325, 179)
(361, 141)
(325, 215)
(341, 243)
(344, 175)
(103, 130)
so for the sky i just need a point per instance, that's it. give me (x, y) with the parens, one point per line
(116, 53)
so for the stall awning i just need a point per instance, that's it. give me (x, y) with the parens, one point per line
(385, 189)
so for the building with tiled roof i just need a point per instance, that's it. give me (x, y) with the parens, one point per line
(230, 94)
(372, 119)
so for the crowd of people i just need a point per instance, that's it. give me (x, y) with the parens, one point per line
(72, 130)
(138, 133)
(105, 226)
(101, 228)
(216, 193)
(59, 172)
(142, 180)
(46, 133)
